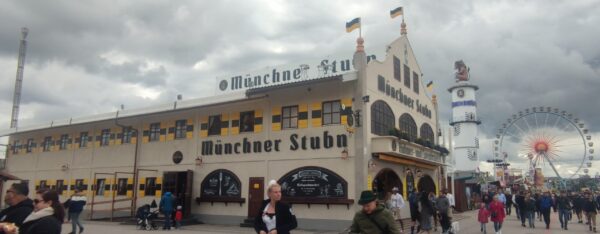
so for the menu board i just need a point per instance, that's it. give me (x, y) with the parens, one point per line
(221, 183)
(313, 182)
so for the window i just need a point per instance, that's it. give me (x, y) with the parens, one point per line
(180, 129)
(214, 125)
(122, 187)
(415, 82)
(154, 132)
(105, 137)
(427, 133)
(150, 188)
(64, 139)
(100, 187)
(289, 117)
(47, 143)
(331, 112)
(382, 118)
(397, 69)
(60, 186)
(15, 147)
(127, 132)
(29, 145)
(83, 139)
(406, 76)
(408, 127)
(247, 121)
(43, 184)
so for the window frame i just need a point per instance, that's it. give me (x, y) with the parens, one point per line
(408, 126)
(243, 123)
(15, 147)
(216, 124)
(105, 137)
(331, 113)
(29, 147)
(83, 139)
(382, 115)
(100, 189)
(126, 135)
(154, 132)
(150, 190)
(64, 140)
(47, 145)
(180, 130)
(397, 69)
(416, 82)
(289, 118)
(407, 76)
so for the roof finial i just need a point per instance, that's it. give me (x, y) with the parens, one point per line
(434, 99)
(360, 44)
(403, 28)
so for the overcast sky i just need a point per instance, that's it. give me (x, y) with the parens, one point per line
(89, 57)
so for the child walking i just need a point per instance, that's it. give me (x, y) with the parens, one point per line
(483, 217)
(178, 217)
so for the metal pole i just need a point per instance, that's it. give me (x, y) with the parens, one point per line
(19, 78)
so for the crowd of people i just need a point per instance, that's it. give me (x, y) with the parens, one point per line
(426, 211)
(529, 206)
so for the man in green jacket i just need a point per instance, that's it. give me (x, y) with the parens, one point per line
(373, 218)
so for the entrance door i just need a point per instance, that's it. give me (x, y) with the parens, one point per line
(256, 192)
(179, 183)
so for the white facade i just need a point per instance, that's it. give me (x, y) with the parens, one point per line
(464, 126)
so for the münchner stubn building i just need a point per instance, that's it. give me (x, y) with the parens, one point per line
(325, 131)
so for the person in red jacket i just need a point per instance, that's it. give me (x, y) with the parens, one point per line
(497, 214)
(483, 217)
(178, 217)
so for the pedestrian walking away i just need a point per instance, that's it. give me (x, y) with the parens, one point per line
(413, 201)
(545, 207)
(178, 217)
(442, 205)
(274, 216)
(563, 205)
(590, 207)
(166, 206)
(426, 211)
(497, 214)
(75, 205)
(483, 217)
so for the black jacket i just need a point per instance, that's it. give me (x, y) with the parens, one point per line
(45, 225)
(286, 220)
(590, 206)
(563, 203)
(16, 214)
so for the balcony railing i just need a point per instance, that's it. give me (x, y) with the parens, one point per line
(400, 147)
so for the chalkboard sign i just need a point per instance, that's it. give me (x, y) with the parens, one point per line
(313, 182)
(221, 183)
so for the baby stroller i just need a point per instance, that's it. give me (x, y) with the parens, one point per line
(145, 218)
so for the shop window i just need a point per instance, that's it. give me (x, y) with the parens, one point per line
(397, 69)
(416, 82)
(180, 129)
(221, 183)
(126, 135)
(382, 118)
(29, 147)
(247, 121)
(105, 137)
(100, 187)
(289, 117)
(214, 125)
(83, 139)
(154, 132)
(64, 140)
(331, 112)
(408, 127)
(150, 187)
(427, 133)
(406, 76)
(47, 143)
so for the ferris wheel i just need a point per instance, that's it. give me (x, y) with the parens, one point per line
(546, 140)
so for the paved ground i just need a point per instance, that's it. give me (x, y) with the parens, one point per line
(468, 225)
